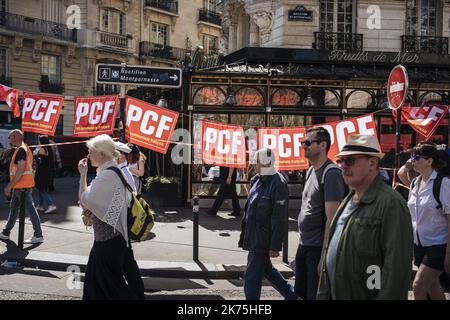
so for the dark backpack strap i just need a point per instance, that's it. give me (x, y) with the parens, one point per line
(122, 178)
(437, 189)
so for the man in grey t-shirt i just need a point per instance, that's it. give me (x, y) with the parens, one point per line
(323, 191)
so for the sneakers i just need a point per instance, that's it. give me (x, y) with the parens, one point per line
(40, 208)
(3, 236)
(50, 209)
(34, 240)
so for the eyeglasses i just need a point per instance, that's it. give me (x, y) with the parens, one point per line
(349, 161)
(417, 157)
(307, 143)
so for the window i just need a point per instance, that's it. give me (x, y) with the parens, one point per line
(423, 18)
(210, 44)
(53, 10)
(160, 34)
(105, 89)
(336, 16)
(210, 5)
(112, 21)
(51, 67)
(3, 63)
(4, 6)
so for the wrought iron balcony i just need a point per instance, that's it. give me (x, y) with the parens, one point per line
(210, 16)
(106, 89)
(150, 49)
(50, 86)
(7, 81)
(35, 26)
(424, 44)
(113, 40)
(166, 5)
(338, 41)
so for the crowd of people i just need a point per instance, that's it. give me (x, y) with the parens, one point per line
(358, 237)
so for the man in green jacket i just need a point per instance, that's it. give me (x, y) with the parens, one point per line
(369, 254)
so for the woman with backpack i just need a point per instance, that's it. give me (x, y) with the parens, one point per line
(429, 205)
(136, 165)
(105, 202)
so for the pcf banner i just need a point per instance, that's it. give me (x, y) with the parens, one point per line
(286, 145)
(40, 113)
(94, 115)
(223, 144)
(340, 130)
(149, 126)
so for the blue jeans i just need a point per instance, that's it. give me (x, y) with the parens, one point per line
(18, 196)
(258, 267)
(306, 277)
(44, 196)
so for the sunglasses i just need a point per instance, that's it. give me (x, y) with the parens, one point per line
(417, 157)
(349, 161)
(307, 143)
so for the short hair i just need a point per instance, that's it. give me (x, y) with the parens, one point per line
(429, 150)
(322, 134)
(103, 143)
(16, 131)
(265, 156)
(43, 139)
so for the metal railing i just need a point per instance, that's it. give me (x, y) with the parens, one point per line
(209, 16)
(338, 41)
(166, 5)
(425, 44)
(36, 26)
(114, 40)
(50, 86)
(150, 49)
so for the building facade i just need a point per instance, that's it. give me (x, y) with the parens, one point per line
(40, 52)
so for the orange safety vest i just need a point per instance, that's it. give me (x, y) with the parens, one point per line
(27, 178)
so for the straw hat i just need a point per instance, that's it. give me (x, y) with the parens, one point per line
(361, 144)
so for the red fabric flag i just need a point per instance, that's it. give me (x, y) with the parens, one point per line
(11, 97)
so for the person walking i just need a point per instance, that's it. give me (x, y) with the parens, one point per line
(21, 186)
(227, 188)
(136, 165)
(112, 271)
(264, 227)
(122, 162)
(430, 221)
(369, 253)
(323, 191)
(44, 175)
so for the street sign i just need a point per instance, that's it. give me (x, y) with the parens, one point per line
(397, 87)
(138, 75)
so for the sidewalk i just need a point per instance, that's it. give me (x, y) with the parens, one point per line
(167, 253)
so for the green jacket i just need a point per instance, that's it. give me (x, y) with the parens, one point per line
(379, 232)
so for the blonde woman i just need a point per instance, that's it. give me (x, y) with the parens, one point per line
(106, 200)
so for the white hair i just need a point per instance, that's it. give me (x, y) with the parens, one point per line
(104, 144)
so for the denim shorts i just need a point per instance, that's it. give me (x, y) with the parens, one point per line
(431, 256)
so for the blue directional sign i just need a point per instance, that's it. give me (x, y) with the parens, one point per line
(138, 75)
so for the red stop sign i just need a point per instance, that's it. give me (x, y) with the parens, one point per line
(397, 89)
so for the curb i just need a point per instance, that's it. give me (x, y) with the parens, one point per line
(158, 269)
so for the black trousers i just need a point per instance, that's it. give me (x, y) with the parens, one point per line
(112, 273)
(226, 191)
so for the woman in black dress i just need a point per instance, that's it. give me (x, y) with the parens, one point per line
(43, 177)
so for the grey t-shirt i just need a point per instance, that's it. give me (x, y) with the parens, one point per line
(334, 242)
(311, 220)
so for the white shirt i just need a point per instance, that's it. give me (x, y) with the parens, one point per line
(126, 172)
(428, 222)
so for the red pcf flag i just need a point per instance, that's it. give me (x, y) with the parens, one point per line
(148, 125)
(286, 145)
(94, 115)
(223, 144)
(11, 97)
(40, 113)
(340, 130)
(424, 120)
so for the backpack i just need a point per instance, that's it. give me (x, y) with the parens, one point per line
(140, 219)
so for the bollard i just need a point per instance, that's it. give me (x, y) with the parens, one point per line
(21, 220)
(195, 211)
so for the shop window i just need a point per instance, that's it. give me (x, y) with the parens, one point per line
(209, 96)
(358, 99)
(285, 97)
(249, 97)
(427, 98)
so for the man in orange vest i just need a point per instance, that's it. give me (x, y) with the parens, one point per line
(20, 187)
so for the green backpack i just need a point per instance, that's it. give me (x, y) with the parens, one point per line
(140, 217)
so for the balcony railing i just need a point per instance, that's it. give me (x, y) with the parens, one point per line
(424, 44)
(150, 49)
(338, 41)
(50, 86)
(210, 16)
(113, 40)
(35, 26)
(166, 5)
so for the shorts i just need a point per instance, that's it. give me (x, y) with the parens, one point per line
(432, 256)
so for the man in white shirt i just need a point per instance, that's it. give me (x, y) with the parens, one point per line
(122, 163)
